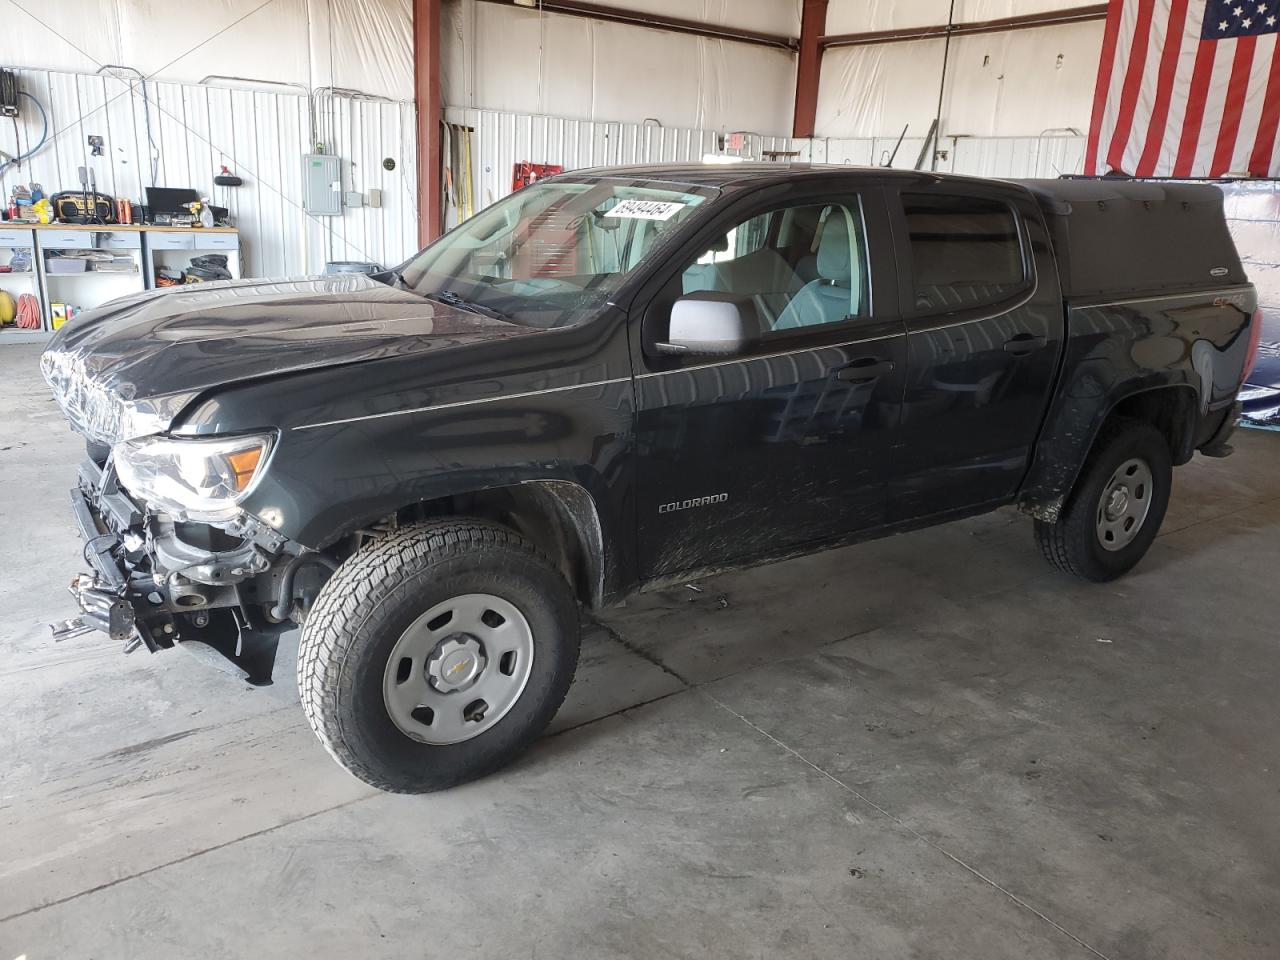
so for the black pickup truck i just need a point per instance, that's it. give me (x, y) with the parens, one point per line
(622, 378)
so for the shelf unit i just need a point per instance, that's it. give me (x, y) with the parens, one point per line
(174, 249)
(92, 287)
(149, 247)
(13, 240)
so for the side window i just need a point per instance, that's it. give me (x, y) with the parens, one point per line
(802, 266)
(965, 252)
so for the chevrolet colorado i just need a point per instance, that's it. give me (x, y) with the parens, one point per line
(621, 378)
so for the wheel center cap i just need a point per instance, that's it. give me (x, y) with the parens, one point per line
(1118, 503)
(456, 663)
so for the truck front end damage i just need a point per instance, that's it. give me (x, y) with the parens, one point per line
(157, 582)
(174, 558)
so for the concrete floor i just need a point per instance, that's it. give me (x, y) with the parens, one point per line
(929, 746)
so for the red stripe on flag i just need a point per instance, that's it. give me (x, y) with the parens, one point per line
(1264, 143)
(1199, 93)
(1164, 89)
(1105, 65)
(1132, 85)
(1237, 87)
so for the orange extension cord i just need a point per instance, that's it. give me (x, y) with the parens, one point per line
(28, 317)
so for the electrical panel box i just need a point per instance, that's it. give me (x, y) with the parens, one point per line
(322, 184)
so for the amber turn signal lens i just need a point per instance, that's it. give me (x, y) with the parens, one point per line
(243, 465)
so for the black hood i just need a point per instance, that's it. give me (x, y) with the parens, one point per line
(188, 339)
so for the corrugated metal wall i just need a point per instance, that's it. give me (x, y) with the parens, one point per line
(1008, 157)
(501, 140)
(179, 135)
(1047, 156)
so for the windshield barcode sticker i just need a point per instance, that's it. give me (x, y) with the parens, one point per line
(645, 209)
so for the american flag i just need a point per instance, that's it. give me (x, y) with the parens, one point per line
(1187, 88)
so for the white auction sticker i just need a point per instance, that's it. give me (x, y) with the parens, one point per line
(645, 209)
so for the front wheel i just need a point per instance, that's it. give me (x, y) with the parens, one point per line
(1114, 513)
(436, 655)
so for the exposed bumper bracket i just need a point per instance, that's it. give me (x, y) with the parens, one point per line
(102, 608)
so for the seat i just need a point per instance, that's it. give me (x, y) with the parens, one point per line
(831, 297)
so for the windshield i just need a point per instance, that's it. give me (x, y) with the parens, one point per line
(553, 253)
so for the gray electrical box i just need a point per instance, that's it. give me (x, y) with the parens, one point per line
(322, 184)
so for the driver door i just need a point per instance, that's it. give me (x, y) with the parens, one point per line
(788, 442)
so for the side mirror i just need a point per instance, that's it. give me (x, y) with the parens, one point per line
(710, 324)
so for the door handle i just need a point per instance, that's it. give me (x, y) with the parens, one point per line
(1023, 344)
(864, 370)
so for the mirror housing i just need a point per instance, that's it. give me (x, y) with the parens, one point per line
(711, 324)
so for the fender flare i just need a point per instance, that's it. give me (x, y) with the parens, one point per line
(574, 532)
(1058, 462)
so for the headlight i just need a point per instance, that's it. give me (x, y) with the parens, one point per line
(193, 479)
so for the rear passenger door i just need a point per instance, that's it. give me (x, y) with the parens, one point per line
(984, 333)
(790, 441)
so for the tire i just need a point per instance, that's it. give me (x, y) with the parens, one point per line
(376, 603)
(1084, 540)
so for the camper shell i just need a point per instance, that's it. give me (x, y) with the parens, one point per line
(1118, 238)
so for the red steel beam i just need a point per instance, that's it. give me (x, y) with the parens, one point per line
(813, 25)
(599, 11)
(426, 94)
(1049, 18)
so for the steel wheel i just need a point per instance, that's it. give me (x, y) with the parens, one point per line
(1124, 504)
(458, 669)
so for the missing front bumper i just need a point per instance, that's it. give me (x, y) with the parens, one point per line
(148, 587)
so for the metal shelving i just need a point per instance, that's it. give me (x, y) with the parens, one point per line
(12, 241)
(149, 248)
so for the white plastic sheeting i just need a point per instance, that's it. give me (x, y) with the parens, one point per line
(518, 60)
(1253, 214)
(501, 140)
(863, 16)
(360, 44)
(1015, 83)
(180, 135)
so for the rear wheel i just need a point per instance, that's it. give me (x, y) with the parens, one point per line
(1112, 517)
(436, 655)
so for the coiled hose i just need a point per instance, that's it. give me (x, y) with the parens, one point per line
(28, 316)
(44, 134)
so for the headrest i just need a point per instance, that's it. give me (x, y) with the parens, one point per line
(834, 262)
(719, 245)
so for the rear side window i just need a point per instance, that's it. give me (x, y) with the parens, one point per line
(966, 252)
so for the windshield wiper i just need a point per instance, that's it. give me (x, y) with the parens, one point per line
(458, 300)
